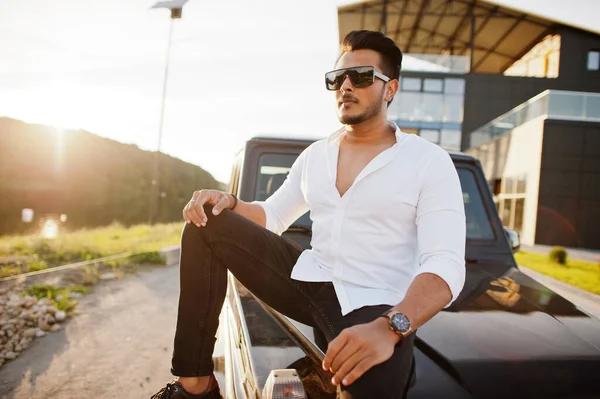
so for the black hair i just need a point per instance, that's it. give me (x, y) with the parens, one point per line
(391, 56)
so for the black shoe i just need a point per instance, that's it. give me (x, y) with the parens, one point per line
(174, 390)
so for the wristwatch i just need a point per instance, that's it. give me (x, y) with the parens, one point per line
(399, 323)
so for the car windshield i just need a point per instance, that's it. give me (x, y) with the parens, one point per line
(273, 170)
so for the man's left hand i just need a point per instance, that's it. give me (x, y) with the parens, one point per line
(358, 348)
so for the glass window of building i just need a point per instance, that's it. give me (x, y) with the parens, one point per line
(521, 184)
(453, 108)
(593, 60)
(432, 107)
(506, 211)
(454, 86)
(431, 103)
(411, 84)
(409, 106)
(433, 85)
(451, 140)
(430, 135)
(519, 207)
(510, 185)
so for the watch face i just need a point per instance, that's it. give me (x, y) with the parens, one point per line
(400, 323)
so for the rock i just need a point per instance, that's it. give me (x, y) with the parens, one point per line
(108, 276)
(43, 324)
(60, 316)
(29, 301)
(14, 299)
(75, 295)
(44, 302)
(25, 342)
(29, 333)
(25, 318)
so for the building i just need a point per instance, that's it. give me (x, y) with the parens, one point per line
(470, 65)
(542, 160)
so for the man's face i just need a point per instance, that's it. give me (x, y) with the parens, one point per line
(358, 105)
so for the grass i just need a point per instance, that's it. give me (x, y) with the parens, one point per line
(59, 296)
(32, 253)
(582, 274)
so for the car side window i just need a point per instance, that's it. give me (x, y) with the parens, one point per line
(478, 221)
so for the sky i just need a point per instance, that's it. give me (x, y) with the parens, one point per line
(238, 68)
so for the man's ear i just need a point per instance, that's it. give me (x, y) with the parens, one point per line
(391, 89)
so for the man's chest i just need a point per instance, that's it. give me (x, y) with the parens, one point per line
(366, 190)
(349, 166)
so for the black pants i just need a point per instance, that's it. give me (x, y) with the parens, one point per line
(263, 261)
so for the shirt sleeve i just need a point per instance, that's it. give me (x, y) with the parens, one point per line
(441, 225)
(286, 204)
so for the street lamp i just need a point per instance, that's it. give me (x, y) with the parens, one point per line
(176, 7)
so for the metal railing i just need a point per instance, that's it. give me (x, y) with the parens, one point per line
(550, 104)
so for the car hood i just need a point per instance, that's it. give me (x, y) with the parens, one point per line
(511, 336)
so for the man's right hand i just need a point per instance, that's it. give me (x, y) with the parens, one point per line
(193, 212)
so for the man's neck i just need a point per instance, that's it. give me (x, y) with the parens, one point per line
(370, 132)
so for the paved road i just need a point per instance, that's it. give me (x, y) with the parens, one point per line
(119, 346)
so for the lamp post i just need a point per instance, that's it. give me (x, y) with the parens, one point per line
(176, 7)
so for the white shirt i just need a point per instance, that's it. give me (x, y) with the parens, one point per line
(402, 216)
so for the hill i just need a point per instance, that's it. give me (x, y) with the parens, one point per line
(91, 179)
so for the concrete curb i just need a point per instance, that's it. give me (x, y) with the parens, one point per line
(171, 254)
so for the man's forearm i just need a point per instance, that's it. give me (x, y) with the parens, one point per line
(426, 296)
(251, 211)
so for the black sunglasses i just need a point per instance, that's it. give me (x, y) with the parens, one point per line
(361, 76)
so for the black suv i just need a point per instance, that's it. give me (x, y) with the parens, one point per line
(505, 336)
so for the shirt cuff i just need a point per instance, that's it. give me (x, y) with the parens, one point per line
(451, 271)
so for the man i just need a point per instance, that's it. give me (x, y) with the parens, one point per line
(387, 246)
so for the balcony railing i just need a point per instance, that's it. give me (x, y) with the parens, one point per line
(550, 104)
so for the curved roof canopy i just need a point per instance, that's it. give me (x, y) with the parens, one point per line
(500, 35)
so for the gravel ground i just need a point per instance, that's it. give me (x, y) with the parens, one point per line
(119, 346)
